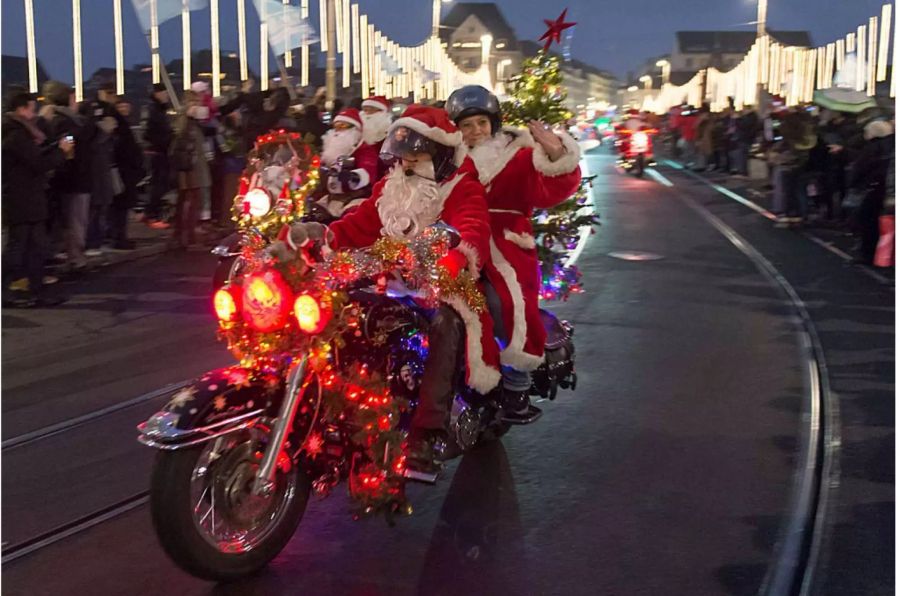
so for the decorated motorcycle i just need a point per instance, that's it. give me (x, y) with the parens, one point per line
(330, 354)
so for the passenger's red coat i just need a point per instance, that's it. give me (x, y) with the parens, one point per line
(521, 180)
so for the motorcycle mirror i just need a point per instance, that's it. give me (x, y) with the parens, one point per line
(452, 233)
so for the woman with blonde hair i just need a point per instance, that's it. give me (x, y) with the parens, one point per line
(188, 158)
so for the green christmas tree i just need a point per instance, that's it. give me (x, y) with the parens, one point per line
(537, 93)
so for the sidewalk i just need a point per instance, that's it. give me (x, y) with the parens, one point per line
(837, 238)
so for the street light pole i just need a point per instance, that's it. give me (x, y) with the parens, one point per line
(331, 58)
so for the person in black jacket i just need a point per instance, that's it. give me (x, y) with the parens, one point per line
(869, 175)
(27, 159)
(129, 162)
(158, 136)
(72, 183)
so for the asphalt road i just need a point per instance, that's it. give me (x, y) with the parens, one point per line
(668, 471)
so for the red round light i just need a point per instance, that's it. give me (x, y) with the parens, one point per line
(225, 305)
(266, 301)
(311, 317)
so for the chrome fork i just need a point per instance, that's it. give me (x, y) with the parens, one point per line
(264, 483)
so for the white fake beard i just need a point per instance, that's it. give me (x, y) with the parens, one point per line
(336, 143)
(375, 127)
(409, 204)
(488, 153)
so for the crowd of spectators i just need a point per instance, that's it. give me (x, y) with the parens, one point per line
(824, 168)
(74, 172)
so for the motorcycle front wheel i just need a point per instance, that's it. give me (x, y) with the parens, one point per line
(205, 515)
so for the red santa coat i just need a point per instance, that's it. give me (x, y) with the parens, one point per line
(521, 180)
(337, 200)
(465, 209)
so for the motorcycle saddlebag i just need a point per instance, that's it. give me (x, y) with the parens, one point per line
(558, 369)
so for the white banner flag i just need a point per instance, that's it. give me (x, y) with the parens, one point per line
(165, 10)
(287, 28)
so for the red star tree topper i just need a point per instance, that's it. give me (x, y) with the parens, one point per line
(555, 29)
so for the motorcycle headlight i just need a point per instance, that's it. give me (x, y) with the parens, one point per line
(311, 316)
(257, 202)
(225, 305)
(640, 139)
(265, 301)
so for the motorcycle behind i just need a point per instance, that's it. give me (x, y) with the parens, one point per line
(635, 150)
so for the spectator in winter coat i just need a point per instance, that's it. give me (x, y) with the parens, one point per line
(106, 176)
(72, 183)
(129, 163)
(188, 158)
(28, 158)
(312, 128)
(158, 136)
(869, 175)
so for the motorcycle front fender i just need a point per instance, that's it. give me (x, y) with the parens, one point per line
(220, 402)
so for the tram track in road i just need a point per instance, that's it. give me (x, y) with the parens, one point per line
(26, 547)
(79, 421)
(798, 551)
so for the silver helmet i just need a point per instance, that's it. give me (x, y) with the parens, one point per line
(472, 100)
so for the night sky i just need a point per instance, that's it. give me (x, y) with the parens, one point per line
(611, 34)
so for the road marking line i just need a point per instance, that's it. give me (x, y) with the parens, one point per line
(721, 189)
(768, 214)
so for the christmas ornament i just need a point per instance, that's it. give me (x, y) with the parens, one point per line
(555, 29)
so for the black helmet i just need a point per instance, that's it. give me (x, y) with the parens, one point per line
(402, 140)
(472, 100)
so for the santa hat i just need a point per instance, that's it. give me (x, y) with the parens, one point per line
(199, 87)
(379, 102)
(434, 124)
(349, 116)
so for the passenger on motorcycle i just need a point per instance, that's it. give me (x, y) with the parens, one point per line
(522, 170)
(377, 118)
(350, 165)
(432, 180)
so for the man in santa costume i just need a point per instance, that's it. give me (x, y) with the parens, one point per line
(349, 164)
(377, 118)
(432, 180)
(522, 170)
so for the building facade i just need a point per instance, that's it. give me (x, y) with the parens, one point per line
(469, 26)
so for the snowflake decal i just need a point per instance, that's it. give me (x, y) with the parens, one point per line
(238, 377)
(180, 399)
(219, 403)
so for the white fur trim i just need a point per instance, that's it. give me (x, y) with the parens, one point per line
(521, 139)
(363, 179)
(564, 165)
(482, 378)
(514, 355)
(355, 203)
(472, 258)
(438, 135)
(371, 103)
(523, 240)
(348, 120)
(459, 156)
(447, 187)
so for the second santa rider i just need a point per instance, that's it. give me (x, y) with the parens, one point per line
(522, 170)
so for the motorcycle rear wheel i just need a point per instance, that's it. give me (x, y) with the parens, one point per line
(182, 520)
(639, 166)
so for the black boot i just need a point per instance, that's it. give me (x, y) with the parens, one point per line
(517, 408)
(424, 450)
